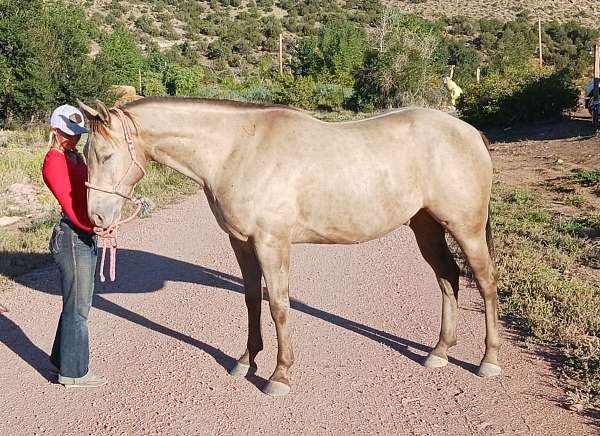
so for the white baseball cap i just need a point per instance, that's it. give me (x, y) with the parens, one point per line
(68, 119)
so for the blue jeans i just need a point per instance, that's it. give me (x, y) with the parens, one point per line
(75, 253)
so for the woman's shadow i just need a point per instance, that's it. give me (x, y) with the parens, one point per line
(151, 273)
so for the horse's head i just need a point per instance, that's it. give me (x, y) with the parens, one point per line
(114, 166)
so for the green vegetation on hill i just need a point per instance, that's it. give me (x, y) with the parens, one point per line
(349, 54)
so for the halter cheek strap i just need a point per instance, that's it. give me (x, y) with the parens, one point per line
(109, 234)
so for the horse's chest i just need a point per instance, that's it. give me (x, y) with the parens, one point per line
(227, 219)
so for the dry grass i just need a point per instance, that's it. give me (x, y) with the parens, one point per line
(540, 257)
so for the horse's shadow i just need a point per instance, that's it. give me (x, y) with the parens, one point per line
(142, 272)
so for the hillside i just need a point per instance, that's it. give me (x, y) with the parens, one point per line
(583, 11)
(175, 21)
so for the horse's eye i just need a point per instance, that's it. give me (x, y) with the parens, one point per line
(105, 158)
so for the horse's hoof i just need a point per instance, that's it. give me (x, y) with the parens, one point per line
(276, 389)
(242, 370)
(487, 369)
(434, 361)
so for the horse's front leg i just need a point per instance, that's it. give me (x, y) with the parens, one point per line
(246, 257)
(274, 258)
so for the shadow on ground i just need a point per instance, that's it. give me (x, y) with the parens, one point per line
(142, 272)
(576, 128)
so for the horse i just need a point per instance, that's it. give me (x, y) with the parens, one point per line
(275, 176)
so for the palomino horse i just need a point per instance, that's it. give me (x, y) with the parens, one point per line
(275, 176)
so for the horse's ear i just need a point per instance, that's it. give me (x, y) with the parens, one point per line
(88, 111)
(103, 112)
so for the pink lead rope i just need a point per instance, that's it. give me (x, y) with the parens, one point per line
(109, 235)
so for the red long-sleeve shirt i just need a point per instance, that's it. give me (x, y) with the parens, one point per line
(65, 174)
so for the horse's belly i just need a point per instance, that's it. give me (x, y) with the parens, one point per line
(348, 222)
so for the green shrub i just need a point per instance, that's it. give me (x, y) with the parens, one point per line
(153, 84)
(44, 59)
(466, 60)
(332, 96)
(295, 91)
(183, 81)
(518, 95)
(587, 177)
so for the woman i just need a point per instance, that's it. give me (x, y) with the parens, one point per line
(73, 246)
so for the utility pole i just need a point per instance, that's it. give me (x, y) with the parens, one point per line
(281, 54)
(540, 41)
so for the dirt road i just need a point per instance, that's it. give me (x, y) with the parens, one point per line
(363, 319)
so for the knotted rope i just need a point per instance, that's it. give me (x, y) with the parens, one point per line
(109, 234)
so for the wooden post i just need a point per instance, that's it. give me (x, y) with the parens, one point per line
(478, 74)
(540, 41)
(596, 94)
(281, 54)
(140, 82)
(452, 71)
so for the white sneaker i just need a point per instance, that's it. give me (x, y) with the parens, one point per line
(87, 381)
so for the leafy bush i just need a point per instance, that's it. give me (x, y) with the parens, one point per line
(183, 81)
(466, 60)
(518, 95)
(585, 177)
(153, 84)
(331, 96)
(295, 91)
(567, 46)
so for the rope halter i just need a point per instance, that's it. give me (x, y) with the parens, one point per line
(109, 234)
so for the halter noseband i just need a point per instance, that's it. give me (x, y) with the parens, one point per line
(110, 232)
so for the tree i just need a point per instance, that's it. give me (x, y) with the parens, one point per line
(43, 58)
(120, 58)
(407, 72)
(466, 60)
(67, 63)
(21, 55)
(515, 46)
(333, 55)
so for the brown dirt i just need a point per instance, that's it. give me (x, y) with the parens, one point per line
(363, 319)
(541, 158)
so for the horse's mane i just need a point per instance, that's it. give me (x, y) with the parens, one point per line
(96, 126)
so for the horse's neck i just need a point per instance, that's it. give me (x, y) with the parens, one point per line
(196, 145)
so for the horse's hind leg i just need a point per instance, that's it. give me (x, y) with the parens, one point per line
(431, 239)
(475, 248)
(246, 257)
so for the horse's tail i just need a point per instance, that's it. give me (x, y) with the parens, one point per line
(488, 227)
